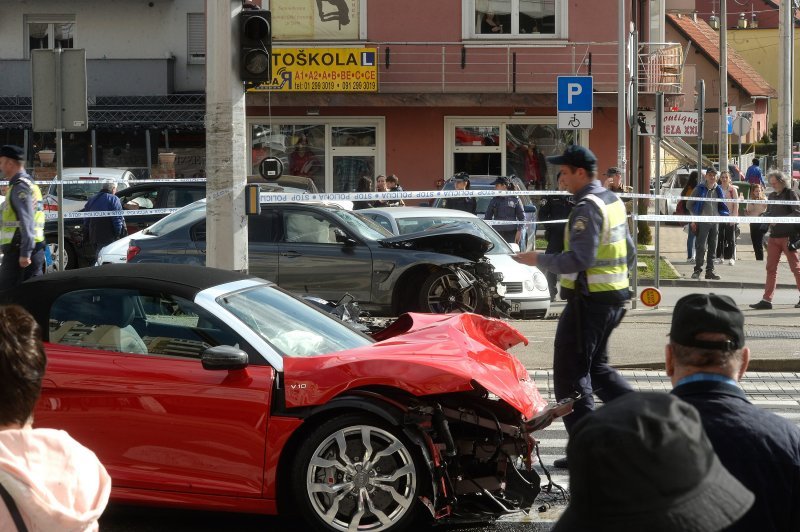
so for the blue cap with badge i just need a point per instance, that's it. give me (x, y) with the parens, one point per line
(576, 156)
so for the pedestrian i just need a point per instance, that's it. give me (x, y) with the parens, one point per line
(555, 208)
(783, 238)
(598, 253)
(757, 209)
(506, 208)
(22, 231)
(100, 231)
(644, 463)
(614, 184)
(726, 241)
(461, 182)
(393, 185)
(706, 231)
(753, 174)
(48, 480)
(364, 185)
(706, 358)
(691, 233)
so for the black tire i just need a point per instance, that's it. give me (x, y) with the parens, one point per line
(71, 259)
(327, 496)
(441, 293)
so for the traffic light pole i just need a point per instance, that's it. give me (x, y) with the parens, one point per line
(226, 140)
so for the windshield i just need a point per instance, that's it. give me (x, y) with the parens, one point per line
(78, 191)
(290, 326)
(413, 225)
(186, 215)
(365, 227)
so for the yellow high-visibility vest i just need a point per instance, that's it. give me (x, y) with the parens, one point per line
(10, 223)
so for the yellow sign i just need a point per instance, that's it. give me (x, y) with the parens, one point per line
(650, 297)
(323, 70)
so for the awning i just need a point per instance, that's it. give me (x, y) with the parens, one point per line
(683, 151)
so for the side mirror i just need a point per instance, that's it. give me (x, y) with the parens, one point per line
(224, 357)
(342, 237)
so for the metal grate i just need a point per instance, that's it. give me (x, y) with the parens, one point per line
(770, 332)
(513, 288)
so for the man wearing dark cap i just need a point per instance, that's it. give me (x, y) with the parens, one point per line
(705, 359)
(22, 232)
(461, 182)
(598, 252)
(643, 463)
(506, 208)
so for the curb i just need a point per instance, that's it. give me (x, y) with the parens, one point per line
(711, 284)
(777, 365)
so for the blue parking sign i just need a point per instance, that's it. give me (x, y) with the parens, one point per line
(575, 94)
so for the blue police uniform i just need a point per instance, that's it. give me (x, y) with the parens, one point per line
(505, 208)
(24, 243)
(580, 361)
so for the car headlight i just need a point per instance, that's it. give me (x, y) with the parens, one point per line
(540, 281)
(529, 284)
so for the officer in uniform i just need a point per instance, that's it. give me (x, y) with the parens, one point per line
(506, 208)
(598, 252)
(22, 231)
(461, 182)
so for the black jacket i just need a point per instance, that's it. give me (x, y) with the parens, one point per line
(783, 230)
(759, 448)
(555, 208)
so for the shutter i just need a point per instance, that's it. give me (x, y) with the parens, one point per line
(196, 38)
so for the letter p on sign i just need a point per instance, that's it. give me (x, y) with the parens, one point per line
(573, 89)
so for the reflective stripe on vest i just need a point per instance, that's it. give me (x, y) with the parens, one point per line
(609, 271)
(10, 223)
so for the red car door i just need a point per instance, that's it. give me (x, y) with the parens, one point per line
(161, 423)
(156, 419)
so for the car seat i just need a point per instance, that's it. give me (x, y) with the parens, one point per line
(97, 321)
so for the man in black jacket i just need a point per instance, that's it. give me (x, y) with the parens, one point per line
(705, 358)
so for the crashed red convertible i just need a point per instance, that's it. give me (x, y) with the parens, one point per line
(202, 388)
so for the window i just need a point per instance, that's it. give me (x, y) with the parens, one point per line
(514, 19)
(49, 32)
(195, 38)
(127, 321)
(306, 228)
(180, 197)
(141, 199)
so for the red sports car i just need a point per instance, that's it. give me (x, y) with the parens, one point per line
(203, 388)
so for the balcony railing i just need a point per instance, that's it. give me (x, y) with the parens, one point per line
(660, 67)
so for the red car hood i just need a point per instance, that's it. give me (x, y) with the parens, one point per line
(423, 354)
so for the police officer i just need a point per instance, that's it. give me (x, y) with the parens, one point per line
(598, 252)
(461, 182)
(22, 231)
(506, 208)
(555, 208)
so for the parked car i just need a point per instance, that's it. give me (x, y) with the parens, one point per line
(671, 186)
(138, 198)
(525, 286)
(200, 388)
(484, 182)
(91, 181)
(795, 169)
(327, 251)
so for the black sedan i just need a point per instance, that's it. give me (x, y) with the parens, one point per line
(139, 198)
(326, 251)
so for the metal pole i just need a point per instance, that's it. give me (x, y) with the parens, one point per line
(148, 148)
(785, 74)
(723, 86)
(59, 163)
(94, 148)
(701, 111)
(635, 160)
(621, 63)
(659, 132)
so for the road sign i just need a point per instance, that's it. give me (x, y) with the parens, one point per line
(574, 120)
(742, 123)
(730, 113)
(575, 102)
(675, 123)
(650, 297)
(574, 94)
(72, 82)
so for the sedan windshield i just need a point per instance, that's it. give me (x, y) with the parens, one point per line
(413, 225)
(78, 191)
(292, 327)
(362, 225)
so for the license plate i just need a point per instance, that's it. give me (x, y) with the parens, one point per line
(514, 307)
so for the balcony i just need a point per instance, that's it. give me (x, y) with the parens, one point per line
(660, 68)
(104, 77)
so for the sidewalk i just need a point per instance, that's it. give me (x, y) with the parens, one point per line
(746, 273)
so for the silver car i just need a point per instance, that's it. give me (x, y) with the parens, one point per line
(90, 182)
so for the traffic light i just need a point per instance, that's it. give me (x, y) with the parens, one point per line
(255, 48)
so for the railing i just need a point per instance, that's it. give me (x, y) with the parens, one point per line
(519, 68)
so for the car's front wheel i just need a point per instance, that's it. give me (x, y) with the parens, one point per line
(70, 256)
(354, 472)
(443, 292)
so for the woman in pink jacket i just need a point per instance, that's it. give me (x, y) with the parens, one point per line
(48, 481)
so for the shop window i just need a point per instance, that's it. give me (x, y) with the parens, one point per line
(301, 149)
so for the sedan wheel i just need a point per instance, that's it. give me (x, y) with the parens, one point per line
(70, 259)
(442, 293)
(352, 474)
